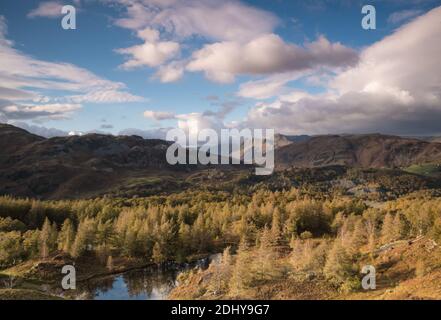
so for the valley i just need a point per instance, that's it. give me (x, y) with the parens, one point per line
(112, 205)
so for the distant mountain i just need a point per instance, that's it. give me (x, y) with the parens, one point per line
(366, 151)
(95, 165)
(13, 138)
(281, 140)
(32, 166)
(427, 138)
(92, 165)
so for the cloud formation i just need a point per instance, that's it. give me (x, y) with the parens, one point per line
(212, 19)
(395, 88)
(403, 15)
(151, 53)
(47, 9)
(170, 72)
(159, 133)
(158, 115)
(16, 111)
(40, 130)
(267, 54)
(24, 79)
(229, 22)
(268, 87)
(238, 40)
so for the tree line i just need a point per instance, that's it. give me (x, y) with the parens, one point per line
(320, 235)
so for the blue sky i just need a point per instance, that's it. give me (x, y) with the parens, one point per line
(184, 70)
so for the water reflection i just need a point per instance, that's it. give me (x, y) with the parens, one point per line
(134, 285)
(145, 284)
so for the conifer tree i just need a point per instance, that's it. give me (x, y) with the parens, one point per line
(276, 225)
(130, 243)
(84, 239)
(184, 242)
(48, 238)
(105, 233)
(387, 231)
(359, 237)
(318, 256)
(338, 267)
(158, 254)
(66, 236)
(11, 249)
(241, 276)
(221, 273)
(400, 227)
(31, 243)
(265, 262)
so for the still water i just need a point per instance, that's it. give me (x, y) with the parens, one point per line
(144, 284)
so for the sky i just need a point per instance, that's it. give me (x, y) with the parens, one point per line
(145, 66)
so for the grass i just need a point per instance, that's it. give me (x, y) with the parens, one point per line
(147, 181)
(428, 169)
(25, 294)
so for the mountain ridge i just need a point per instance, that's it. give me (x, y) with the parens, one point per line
(96, 164)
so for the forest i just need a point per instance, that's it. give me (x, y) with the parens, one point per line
(264, 236)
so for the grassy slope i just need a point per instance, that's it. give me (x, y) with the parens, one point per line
(396, 279)
(428, 169)
(25, 294)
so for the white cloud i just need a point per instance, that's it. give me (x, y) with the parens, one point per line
(15, 94)
(268, 87)
(151, 53)
(182, 20)
(407, 60)
(267, 54)
(194, 122)
(159, 133)
(40, 130)
(105, 96)
(170, 72)
(243, 35)
(41, 111)
(75, 133)
(403, 15)
(212, 19)
(395, 88)
(47, 9)
(22, 77)
(224, 108)
(158, 115)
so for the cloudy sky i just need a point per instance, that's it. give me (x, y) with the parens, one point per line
(143, 66)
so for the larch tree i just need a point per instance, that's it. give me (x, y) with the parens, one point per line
(241, 276)
(48, 238)
(158, 255)
(339, 266)
(66, 236)
(387, 230)
(85, 238)
(400, 227)
(266, 256)
(359, 237)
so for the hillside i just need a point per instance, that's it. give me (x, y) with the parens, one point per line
(13, 138)
(65, 166)
(406, 270)
(96, 165)
(366, 151)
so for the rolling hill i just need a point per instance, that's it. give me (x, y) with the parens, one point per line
(365, 151)
(64, 166)
(95, 164)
